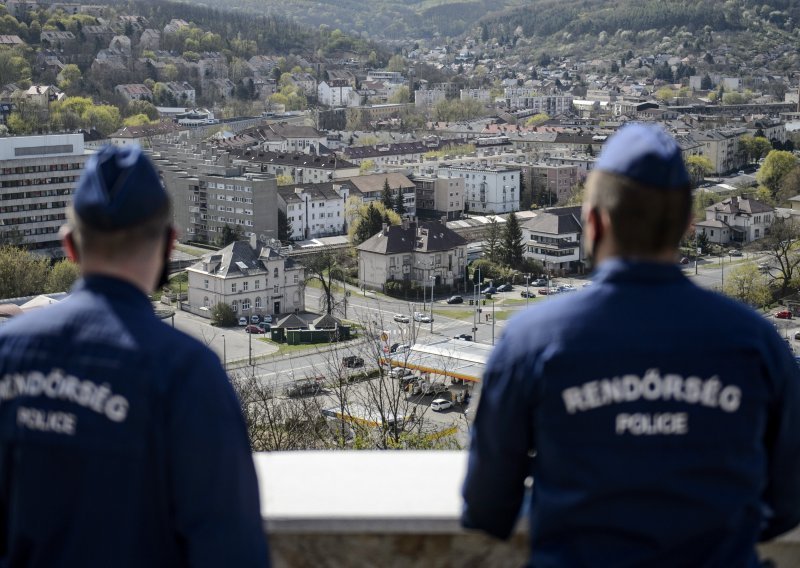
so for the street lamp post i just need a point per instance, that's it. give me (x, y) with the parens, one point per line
(527, 290)
(433, 280)
(492, 320)
(224, 354)
(250, 348)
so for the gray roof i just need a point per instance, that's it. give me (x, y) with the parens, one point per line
(429, 236)
(556, 222)
(291, 159)
(292, 321)
(740, 206)
(238, 259)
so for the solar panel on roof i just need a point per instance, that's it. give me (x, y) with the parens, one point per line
(241, 265)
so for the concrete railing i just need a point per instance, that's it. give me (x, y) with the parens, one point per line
(391, 509)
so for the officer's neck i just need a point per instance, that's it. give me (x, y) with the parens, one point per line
(140, 272)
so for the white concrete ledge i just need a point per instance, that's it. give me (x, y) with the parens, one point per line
(322, 507)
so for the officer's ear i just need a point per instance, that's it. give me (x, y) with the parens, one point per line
(68, 243)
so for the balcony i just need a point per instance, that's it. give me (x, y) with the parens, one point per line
(391, 508)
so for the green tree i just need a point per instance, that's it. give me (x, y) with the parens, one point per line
(69, 79)
(397, 63)
(62, 276)
(776, 165)
(13, 67)
(105, 118)
(366, 166)
(747, 284)
(284, 179)
(399, 205)
(790, 185)
(512, 247)
(21, 273)
(665, 94)
(386, 195)
(753, 148)
(323, 266)
(229, 235)
(222, 315)
(400, 96)
(284, 229)
(142, 107)
(537, 119)
(368, 220)
(492, 240)
(699, 167)
(782, 246)
(136, 120)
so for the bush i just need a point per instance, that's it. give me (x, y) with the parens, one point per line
(223, 315)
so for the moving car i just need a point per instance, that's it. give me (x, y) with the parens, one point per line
(505, 288)
(455, 300)
(353, 361)
(441, 404)
(684, 260)
(463, 337)
(735, 252)
(400, 318)
(242, 321)
(422, 317)
(784, 315)
(489, 290)
(253, 329)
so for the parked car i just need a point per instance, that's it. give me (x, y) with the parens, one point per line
(400, 372)
(267, 318)
(463, 336)
(352, 361)
(735, 252)
(303, 387)
(784, 315)
(264, 325)
(441, 404)
(505, 288)
(547, 291)
(527, 294)
(399, 348)
(797, 336)
(684, 260)
(539, 282)
(455, 300)
(400, 318)
(489, 290)
(253, 329)
(422, 317)
(567, 288)
(243, 321)
(255, 318)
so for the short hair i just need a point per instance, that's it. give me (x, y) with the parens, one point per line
(645, 220)
(123, 243)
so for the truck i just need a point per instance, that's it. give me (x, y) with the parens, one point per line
(426, 388)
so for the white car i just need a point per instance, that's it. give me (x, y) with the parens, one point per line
(400, 372)
(400, 318)
(441, 404)
(243, 321)
(267, 318)
(422, 317)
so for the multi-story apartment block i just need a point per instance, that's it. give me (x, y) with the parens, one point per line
(303, 168)
(334, 93)
(558, 180)
(370, 188)
(314, 210)
(207, 197)
(487, 189)
(439, 197)
(37, 177)
(250, 276)
(553, 237)
(527, 98)
(428, 97)
(134, 92)
(480, 95)
(721, 147)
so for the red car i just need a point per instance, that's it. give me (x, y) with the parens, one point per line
(253, 329)
(784, 315)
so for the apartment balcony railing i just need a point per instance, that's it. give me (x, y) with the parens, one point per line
(390, 509)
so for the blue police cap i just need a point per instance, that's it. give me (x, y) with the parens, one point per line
(119, 188)
(646, 154)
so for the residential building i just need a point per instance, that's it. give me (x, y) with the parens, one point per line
(480, 95)
(527, 98)
(553, 237)
(558, 180)
(37, 177)
(439, 197)
(424, 253)
(303, 168)
(182, 92)
(11, 40)
(150, 40)
(736, 219)
(490, 189)
(721, 147)
(209, 196)
(370, 188)
(314, 210)
(250, 276)
(334, 93)
(428, 97)
(286, 137)
(134, 92)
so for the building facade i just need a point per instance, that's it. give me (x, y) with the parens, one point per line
(314, 210)
(553, 238)
(439, 197)
(487, 189)
(38, 175)
(736, 220)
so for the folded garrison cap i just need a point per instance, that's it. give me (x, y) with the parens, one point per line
(119, 188)
(646, 154)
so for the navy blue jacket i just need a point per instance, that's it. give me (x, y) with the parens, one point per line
(121, 441)
(660, 423)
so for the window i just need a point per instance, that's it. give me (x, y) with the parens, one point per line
(205, 301)
(235, 306)
(245, 305)
(257, 284)
(205, 283)
(296, 278)
(233, 287)
(275, 272)
(276, 289)
(258, 302)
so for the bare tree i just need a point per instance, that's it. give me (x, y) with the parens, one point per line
(324, 266)
(782, 246)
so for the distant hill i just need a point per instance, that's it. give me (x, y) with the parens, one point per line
(379, 19)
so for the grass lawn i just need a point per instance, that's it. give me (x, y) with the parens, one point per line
(466, 315)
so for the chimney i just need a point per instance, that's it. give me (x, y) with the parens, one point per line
(385, 229)
(253, 241)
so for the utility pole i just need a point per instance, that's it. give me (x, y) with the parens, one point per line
(250, 348)
(224, 354)
(492, 320)
(527, 290)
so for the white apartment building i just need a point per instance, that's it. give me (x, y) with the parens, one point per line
(315, 210)
(38, 175)
(428, 97)
(336, 93)
(487, 189)
(553, 237)
(251, 277)
(480, 95)
(527, 98)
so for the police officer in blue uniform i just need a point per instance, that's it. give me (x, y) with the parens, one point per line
(659, 422)
(121, 440)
